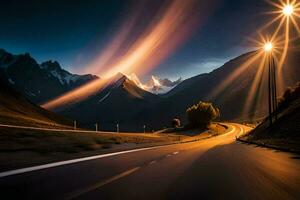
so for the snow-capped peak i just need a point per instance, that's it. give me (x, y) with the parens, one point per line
(55, 70)
(155, 85)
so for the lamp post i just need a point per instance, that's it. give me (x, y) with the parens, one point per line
(272, 85)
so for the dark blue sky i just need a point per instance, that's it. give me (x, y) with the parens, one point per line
(72, 32)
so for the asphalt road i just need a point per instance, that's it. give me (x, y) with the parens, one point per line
(216, 168)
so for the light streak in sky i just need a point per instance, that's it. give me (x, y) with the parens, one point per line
(173, 25)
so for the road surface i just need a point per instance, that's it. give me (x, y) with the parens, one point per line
(216, 168)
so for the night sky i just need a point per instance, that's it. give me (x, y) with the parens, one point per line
(74, 32)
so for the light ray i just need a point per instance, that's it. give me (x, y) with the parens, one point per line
(295, 25)
(76, 95)
(286, 46)
(275, 4)
(255, 85)
(270, 23)
(297, 15)
(235, 74)
(277, 29)
(159, 40)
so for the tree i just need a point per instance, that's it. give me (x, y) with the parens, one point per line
(290, 95)
(175, 123)
(201, 114)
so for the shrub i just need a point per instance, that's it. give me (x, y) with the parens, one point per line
(201, 114)
(175, 123)
(291, 94)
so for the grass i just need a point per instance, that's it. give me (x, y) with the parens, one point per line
(214, 129)
(24, 120)
(20, 148)
(284, 134)
(14, 140)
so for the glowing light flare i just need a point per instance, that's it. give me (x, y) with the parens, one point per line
(268, 47)
(288, 10)
(279, 52)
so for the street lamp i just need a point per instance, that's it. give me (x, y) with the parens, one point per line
(272, 86)
(288, 10)
(268, 47)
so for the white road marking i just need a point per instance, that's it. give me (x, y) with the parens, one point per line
(176, 152)
(102, 183)
(67, 162)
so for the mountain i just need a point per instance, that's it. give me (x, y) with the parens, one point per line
(123, 100)
(17, 110)
(156, 84)
(227, 87)
(38, 82)
(118, 102)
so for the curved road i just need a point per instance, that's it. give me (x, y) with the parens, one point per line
(216, 168)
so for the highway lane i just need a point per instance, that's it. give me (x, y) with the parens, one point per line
(216, 168)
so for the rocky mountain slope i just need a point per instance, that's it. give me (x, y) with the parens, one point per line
(38, 82)
(118, 103)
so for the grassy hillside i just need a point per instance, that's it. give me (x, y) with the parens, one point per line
(20, 148)
(285, 133)
(16, 110)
